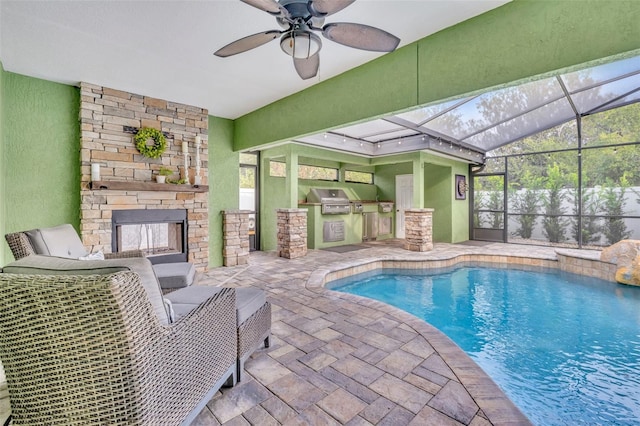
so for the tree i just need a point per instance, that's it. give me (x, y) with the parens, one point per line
(489, 195)
(590, 229)
(478, 204)
(613, 202)
(552, 199)
(247, 177)
(525, 202)
(496, 202)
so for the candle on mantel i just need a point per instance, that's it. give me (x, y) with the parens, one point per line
(95, 172)
(197, 180)
(185, 152)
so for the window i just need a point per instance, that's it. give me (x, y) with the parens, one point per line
(250, 158)
(358, 177)
(317, 173)
(277, 169)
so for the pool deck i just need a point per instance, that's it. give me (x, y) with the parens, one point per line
(337, 358)
(342, 359)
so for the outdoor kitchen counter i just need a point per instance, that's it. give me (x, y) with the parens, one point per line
(330, 230)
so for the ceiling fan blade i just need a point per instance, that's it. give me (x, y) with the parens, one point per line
(247, 43)
(327, 7)
(361, 36)
(307, 67)
(269, 6)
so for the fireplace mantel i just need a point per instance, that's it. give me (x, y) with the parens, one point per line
(145, 186)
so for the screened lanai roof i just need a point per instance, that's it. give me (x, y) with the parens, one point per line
(469, 127)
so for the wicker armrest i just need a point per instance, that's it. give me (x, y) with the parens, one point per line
(207, 338)
(20, 245)
(124, 254)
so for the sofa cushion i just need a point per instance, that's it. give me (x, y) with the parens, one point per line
(187, 299)
(175, 275)
(248, 300)
(61, 241)
(50, 265)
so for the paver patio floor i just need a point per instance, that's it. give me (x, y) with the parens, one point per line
(340, 359)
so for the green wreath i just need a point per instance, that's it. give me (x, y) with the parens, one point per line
(159, 142)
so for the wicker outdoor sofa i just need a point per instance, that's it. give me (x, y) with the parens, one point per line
(96, 342)
(253, 310)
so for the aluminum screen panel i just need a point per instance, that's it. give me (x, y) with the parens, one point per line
(368, 129)
(600, 74)
(498, 117)
(542, 118)
(486, 111)
(595, 98)
(425, 114)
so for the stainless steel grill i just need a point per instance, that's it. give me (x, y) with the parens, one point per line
(333, 201)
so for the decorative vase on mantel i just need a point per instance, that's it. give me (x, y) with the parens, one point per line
(161, 178)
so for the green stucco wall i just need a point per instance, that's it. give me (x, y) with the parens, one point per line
(521, 39)
(3, 204)
(385, 178)
(459, 208)
(224, 182)
(451, 216)
(41, 160)
(438, 196)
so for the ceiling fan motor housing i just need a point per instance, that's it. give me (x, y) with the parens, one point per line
(299, 13)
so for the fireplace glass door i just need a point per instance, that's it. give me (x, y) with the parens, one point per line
(154, 239)
(160, 234)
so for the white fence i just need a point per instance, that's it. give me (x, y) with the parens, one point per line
(631, 207)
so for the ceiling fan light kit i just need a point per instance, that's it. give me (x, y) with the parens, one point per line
(300, 44)
(300, 18)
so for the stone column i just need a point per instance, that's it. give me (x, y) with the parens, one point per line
(418, 229)
(292, 233)
(235, 236)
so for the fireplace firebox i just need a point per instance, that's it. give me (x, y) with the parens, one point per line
(160, 234)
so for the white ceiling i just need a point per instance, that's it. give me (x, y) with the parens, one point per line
(164, 49)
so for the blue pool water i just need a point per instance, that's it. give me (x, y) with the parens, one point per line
(565, 348)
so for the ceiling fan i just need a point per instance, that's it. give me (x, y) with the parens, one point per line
(299, 20)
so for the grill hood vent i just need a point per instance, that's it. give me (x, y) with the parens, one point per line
(334, 196)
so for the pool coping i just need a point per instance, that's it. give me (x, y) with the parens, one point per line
(489, 397)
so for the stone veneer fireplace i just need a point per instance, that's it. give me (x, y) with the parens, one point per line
(109, 119)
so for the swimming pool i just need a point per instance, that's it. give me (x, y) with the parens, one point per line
(565, 348)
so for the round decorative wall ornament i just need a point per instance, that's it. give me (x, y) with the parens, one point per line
(159, 142)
